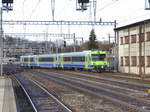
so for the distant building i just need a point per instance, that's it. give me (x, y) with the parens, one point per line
(134, 48)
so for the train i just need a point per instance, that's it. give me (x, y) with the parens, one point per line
(87, 60)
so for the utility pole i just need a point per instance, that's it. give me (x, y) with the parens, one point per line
(7, 6)
(74, 39)
(109, 41)
(1, 33)
(1, 42)
(116, 48)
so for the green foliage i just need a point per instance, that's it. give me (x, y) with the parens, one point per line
(92, 44)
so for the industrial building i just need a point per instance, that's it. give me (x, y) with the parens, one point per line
(134, 48)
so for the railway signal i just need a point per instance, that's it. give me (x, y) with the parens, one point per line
(82, 5)
(7, 4)
(147, 4)
(64, 43)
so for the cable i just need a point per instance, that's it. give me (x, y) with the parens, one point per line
(107, 5)
(34, 9)
(23, 8)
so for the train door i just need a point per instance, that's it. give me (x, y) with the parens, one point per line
(54, 61)
(37, 60)
(22, 61)
(57, 60)
(61, 62)
(86, 61)
(89, 60)
(28, 61)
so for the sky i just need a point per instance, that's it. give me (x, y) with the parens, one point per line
(124, 11)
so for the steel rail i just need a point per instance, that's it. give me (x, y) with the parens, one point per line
(121, 103)
(52, 96)
(96, 84)
(46, 91)
(28, 96)
(89, 83)
(135, 85)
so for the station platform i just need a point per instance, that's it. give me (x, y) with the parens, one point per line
(7, 98)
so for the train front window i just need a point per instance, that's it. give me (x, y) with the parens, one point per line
(98, 57)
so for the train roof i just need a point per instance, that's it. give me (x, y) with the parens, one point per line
(82, 53)
(45, 55)
(68, 54)
(28, 56)
(75, 53)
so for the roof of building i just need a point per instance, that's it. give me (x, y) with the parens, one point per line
(132, 24)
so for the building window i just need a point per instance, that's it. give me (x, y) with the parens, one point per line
(148, 36)
(121, 61)
(133, 38)
(148, 61)
(126, 39)
(133, 60)
(121, 40)
(126, 60)
(142, 61)
(141, 37)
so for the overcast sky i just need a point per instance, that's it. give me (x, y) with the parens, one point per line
(124, 11)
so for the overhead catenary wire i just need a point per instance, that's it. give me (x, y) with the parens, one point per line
(107, 5)
(23, 8)
(34, 9)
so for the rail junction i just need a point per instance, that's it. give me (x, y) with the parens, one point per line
(70, 87)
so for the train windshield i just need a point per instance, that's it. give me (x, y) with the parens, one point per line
(98, 57)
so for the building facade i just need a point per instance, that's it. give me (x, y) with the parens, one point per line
(134, 48)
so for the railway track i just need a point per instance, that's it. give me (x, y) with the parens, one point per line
(116, 82)
(121, 76)
(128, 102)
(41, 99)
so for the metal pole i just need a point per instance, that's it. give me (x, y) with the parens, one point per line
(109, 41)
(116, 47)
(1, 68)
(1, 35)
(1, 41)
(82, 41)
(74, 39)
(115, 24)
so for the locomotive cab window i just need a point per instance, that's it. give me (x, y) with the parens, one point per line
(98, 57)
